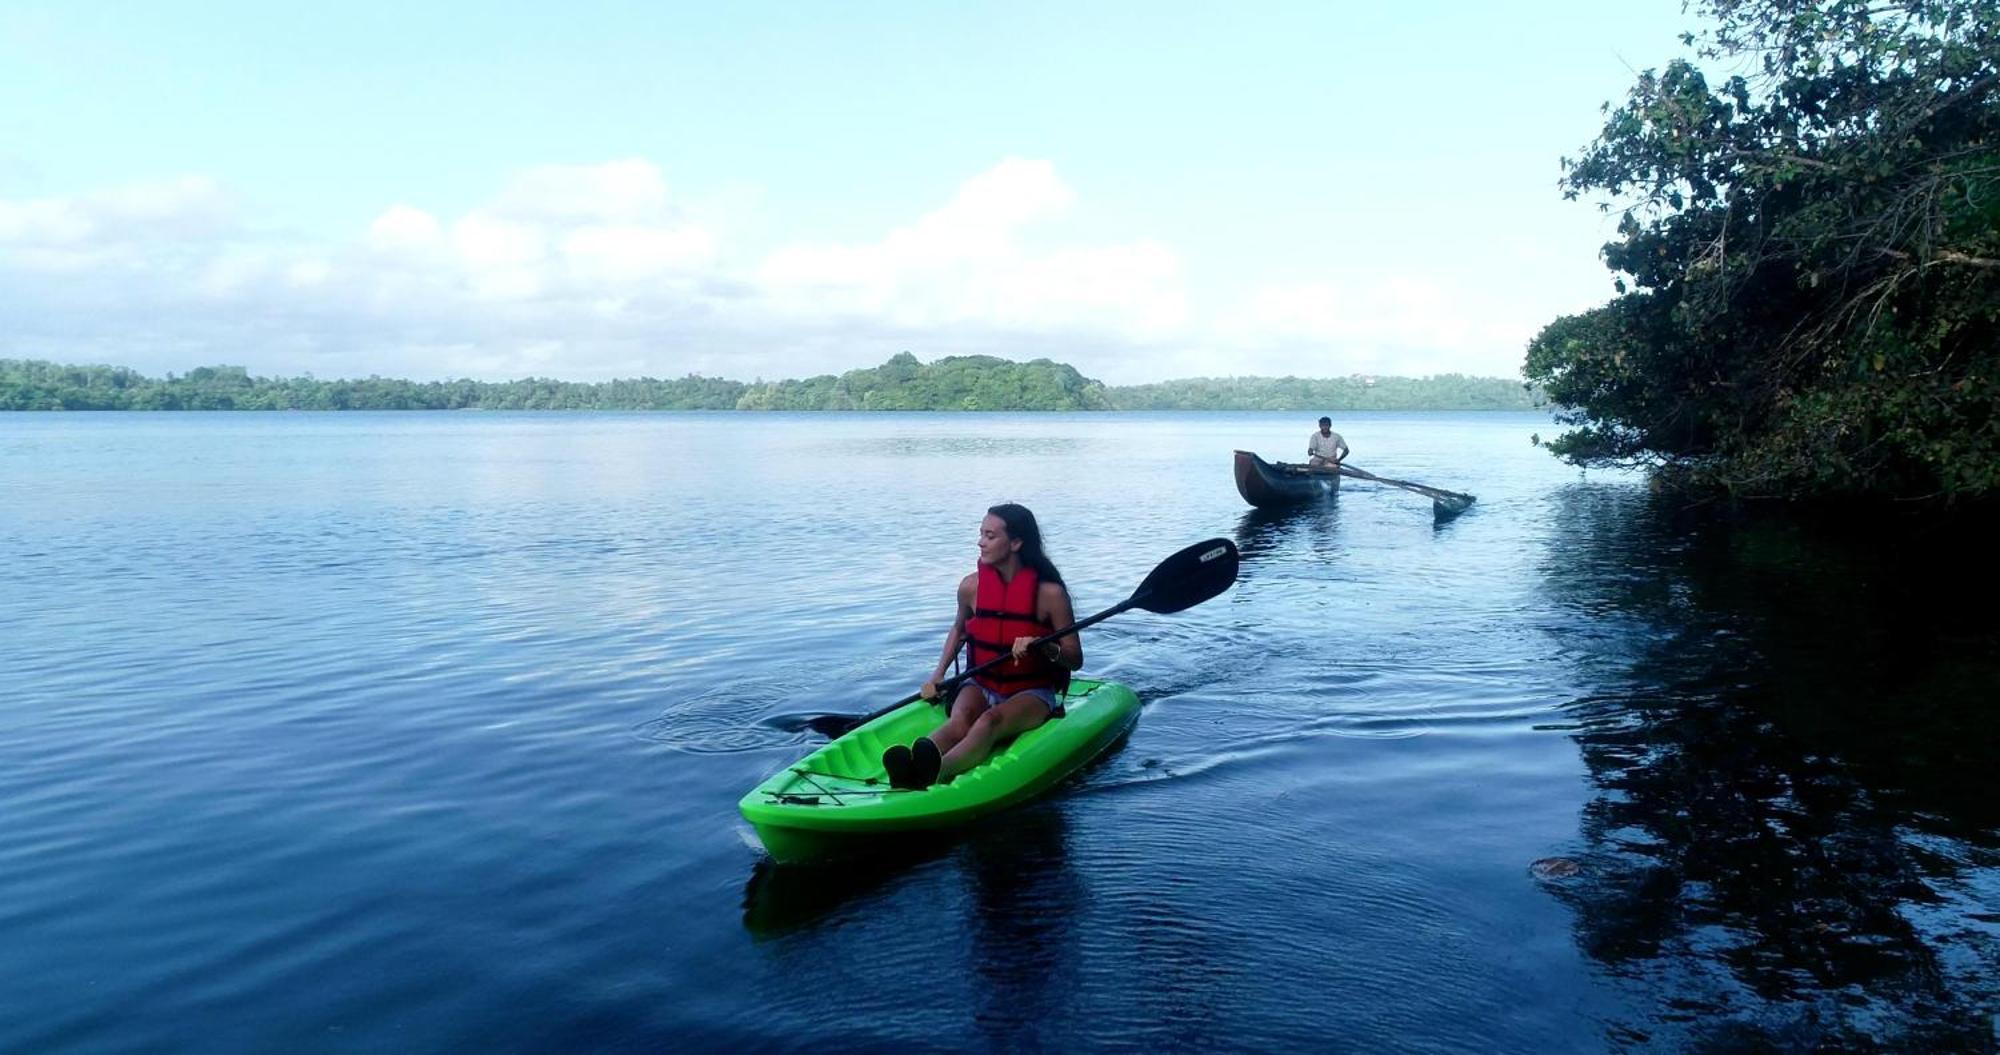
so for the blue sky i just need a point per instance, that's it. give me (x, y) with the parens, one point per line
(1145, 190)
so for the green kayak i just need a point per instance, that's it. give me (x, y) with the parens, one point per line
(825, 802)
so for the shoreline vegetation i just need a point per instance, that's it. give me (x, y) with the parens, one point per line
(962, 383)
(1808, 260)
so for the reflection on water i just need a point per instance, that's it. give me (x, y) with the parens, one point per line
(426, 732)
(780, 899)
(1024, 940)
(1793, 832)
(931, 445)
(1267, 536)
(1008, 859)
(1259, 531)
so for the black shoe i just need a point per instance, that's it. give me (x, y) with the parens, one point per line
(896, 763)
(925, 762)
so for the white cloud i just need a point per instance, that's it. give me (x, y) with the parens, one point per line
(550, 235)
(597, 271)
(188, 208)
(632, 191)
(43, 223)
(405, 230)
(485, 241)
(629, 253)
(307, 272)
(967, 263)
(228, 271)
(978, 229)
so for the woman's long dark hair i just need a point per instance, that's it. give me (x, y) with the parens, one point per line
(1021, 525)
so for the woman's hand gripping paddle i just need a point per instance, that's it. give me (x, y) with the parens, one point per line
(1182, 581)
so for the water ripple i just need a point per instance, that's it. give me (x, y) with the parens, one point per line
(424, 732)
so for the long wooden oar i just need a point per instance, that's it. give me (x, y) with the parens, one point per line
(1444, 504)
(1182, 581)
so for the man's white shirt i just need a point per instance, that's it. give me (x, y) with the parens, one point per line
(1327, 446)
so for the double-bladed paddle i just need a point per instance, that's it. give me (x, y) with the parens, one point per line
(1182, 581)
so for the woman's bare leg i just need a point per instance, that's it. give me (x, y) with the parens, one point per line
(1014, 716)
(966, 710)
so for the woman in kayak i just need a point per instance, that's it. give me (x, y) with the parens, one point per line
(1013, 597)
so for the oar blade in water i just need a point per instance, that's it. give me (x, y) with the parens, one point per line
(1444, 508)
(1444, 504)
(834, 726)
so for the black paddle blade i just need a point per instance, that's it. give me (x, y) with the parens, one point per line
(835, 726)
(1188, 578)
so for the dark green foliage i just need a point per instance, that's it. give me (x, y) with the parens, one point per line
(32, 385)
(1443, 392)
(1811, 252)
(970, 382)
(974, 382)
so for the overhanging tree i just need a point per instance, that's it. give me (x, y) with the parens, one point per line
(1809, 259)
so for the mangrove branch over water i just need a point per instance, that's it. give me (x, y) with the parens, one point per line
(1809, 259)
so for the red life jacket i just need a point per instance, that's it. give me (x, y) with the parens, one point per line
(1001, 612)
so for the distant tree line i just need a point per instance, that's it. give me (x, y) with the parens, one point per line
(974, 382)
(33, 385)
(1442, 392)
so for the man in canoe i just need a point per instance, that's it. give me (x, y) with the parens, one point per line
(1013, 597)
(1325, 449)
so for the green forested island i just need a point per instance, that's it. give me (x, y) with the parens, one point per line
(974, 382)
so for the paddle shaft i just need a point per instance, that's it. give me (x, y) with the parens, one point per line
(1187, 578)
(1363, 474)
(950, 685)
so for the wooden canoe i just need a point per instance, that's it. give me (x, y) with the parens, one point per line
(1269, 486)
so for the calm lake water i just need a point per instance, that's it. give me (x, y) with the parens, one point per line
(420, 732)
